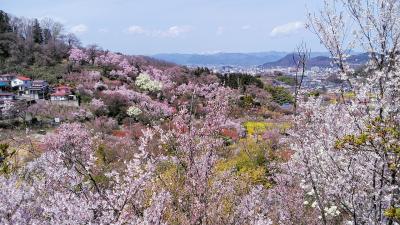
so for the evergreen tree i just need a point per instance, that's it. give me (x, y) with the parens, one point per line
(47, 35)
(37, 32)
(6, 37)
(4, 22)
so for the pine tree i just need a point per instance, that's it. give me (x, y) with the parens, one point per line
(37, 32)
(4, 22)
(47, 35)
(6, 38)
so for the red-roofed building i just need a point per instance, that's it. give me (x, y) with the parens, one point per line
(21, 83)
(62, 93)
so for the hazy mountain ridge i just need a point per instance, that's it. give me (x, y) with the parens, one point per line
(320, 61)
(223, 58)
(240, 59)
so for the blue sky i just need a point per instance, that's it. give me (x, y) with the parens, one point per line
(178, 26)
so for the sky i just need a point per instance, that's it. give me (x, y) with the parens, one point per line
(178, 26)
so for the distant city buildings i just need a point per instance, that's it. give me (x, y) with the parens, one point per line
(316, 78)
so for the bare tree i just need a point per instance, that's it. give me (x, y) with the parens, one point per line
(331, 25)
(375, 27)
(71, 40)
(300, 58)
(92, 51)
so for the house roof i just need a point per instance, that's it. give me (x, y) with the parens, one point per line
(6, 94)
(23, 78)
(60, 94)
(37, 88)
(39, 81)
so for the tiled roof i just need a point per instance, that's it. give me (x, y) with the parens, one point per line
(39, 81)
(23, 78)
(60, 94)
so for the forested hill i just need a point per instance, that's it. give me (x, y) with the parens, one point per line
(26, 42)
(40, 49)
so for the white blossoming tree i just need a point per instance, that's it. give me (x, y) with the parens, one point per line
(347, 154)
(145, 83)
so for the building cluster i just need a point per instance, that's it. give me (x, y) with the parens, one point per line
(15, 87)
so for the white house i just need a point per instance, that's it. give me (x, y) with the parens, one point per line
(22, 84)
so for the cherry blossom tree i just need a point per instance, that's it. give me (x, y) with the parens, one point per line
(77, 55)
(62, 187)
(344, 153)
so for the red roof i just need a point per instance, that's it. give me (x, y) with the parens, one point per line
(60, 94)
(23, 78)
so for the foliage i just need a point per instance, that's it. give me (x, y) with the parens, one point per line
(246, 101)
(254, 127)
(133, 111)
(238, 80)
(393, 213)
(279, 94)
(337, 164)
(5, 159)
(289, 80)
(201, 71)
(144, 82)
(249, 163)
(259, 127)
(25, 42)
(52, 74)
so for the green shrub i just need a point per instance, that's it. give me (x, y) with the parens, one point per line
(246, 101)
(280, 95)
(237, 80)
(5, 156)
(289, 80)
(249, 164)
(49, 73)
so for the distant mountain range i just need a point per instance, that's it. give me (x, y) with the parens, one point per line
(320, 61)
(225, 59)
(267, 60)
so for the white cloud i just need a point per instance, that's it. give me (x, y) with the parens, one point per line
(287, 29)
(136, 30)
(171, 32)
(176, 31)
(80, 28)
(246, 27)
